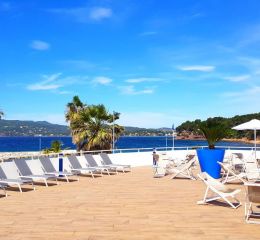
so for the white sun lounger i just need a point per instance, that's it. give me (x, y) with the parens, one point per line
(50, 169)
(76, 167)
(252, 170)
(107, 162)
(230, 175)
(184, 170)
(36, 174)
(219, 191)
(9, 175)
(252, 199)
(91, 162)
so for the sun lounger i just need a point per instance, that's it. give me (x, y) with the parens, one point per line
(76, 167)
(251, 169)
(9, 176)
(252, 201)
(50, 169)
(184, 170)
(218, 190)
(91, 162)
(38, 174)
(107, 162)
(230, 174)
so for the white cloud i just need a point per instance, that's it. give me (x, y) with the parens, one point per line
(5, 6)
(130, 90)
(100, 13)
(143, 79)
(55, 82)
(102, 80)
(244, 95)
(149, 33)
(159, 119)
(78, 64)
(85, 14)
(39, 45)
(46, 84)
(199, 68)
(56, 118)
(240, 78)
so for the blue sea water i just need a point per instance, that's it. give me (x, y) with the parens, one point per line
(16, 144)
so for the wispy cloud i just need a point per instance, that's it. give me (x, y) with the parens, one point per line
(5, 6)
(241, 78)
(143, 79)
(85, 14)
(47, 84)
(39, 45)
(130, 90)
(148, 33)
(159, 119)
(102, 80)
(100, 13)
(55, 82)
(199, 68)
(78, 64)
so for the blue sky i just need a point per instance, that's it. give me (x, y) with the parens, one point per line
(155, 62)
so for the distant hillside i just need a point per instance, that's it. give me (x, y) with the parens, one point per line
(135, 131)
(191, 127)
(31, 128)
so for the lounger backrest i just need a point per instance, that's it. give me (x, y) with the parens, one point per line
(74, 162)
(10, 170)
(46, 163)
(253, 193)
(23, 167)
(213, 183)
(252, 171)
(35, 166)
(2, 174)
(106, 158)
(91, 161)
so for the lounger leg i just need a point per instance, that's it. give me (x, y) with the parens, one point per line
(20, 188)
(33, 186)
(107, 171)
(67, 179)
(5, 192)
(46, 184)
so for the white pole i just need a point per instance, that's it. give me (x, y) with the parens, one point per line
(255, 141)
(40, 142)
(172, 136)
(113, 134)
(166, 141)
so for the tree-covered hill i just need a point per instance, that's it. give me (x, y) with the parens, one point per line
(192, 126)
(31, 128)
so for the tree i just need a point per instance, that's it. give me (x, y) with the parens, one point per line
(1, 114)
(213, 131)
(55, 147)
(91, 125)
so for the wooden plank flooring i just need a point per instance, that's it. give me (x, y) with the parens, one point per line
(126, 206)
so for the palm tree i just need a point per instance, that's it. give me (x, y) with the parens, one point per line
(73, 108)
(91, 126)
(1, 114)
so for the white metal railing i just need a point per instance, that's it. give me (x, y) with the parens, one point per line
(12, 155)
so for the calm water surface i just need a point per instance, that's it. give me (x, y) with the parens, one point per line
(15, 144)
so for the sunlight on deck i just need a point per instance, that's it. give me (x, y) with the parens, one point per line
(127, 206)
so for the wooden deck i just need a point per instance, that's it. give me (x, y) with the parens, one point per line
(126, 206)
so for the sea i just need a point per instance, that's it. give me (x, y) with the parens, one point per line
(20, 144)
